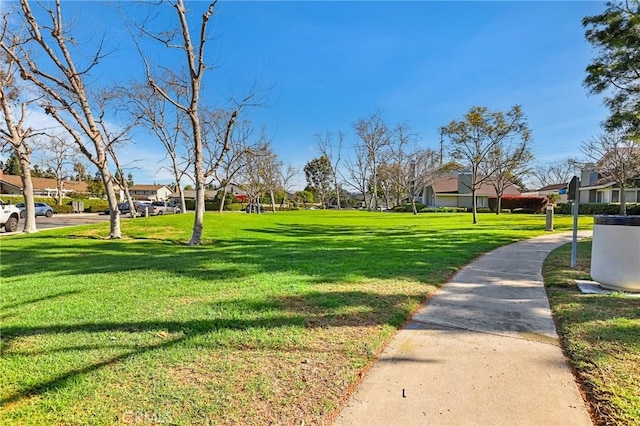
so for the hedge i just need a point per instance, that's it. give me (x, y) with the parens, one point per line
(599, 208)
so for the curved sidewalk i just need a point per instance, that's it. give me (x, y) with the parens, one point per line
(483, 351)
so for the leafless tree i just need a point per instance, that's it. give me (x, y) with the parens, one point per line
(16, 134)
(474, 138)
(172, 88)
(358, 171)
(424, 168)
(617, 157)
(507, 161)
(553, 172)
(286, 176)
(333, 151)
(167, 123)
(268, 168)
(375, 137)
(45, 56)
(58, 153)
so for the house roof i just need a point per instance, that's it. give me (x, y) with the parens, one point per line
(553, 187)
(146, 187)
(45, 183)
(448, 184)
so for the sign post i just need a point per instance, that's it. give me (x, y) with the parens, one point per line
(574, 196)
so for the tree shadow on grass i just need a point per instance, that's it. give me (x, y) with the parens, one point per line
(310, 250)
(307, 311)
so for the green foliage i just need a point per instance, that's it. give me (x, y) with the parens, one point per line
(615, 69)
(444, 210)
(598, 208)
(12, 165)
(318, 173)
(65, 208)
(234, 207)
(523, 211)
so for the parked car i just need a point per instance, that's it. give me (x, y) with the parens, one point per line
(42, 209)
(158, 208)
(124, 207)
(9, 217)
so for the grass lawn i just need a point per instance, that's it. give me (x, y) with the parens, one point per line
(272, 320)
(601, 336)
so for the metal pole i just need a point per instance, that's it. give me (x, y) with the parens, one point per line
(574, 245)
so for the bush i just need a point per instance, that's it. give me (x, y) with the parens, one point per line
(443, 210)
(513, 202)
(523, 211)
(234, 207)
(62, 209)
(408, 208)
(483, 210)
(599, 208)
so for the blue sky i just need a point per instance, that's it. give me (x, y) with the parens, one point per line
(422, 63)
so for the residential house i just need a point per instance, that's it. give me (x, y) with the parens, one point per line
(232, 190)
(42, 187)
(594, 188)
(454, 190)
(150, 192)
(557, 188)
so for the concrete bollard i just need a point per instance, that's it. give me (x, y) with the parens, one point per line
(549, 226)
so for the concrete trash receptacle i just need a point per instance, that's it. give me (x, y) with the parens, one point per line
(615, 252)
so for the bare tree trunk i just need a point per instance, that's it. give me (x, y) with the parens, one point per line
(413, 205)
(198, 221)
(27, 192)
(273, 200)
(474, 204)
(224, 197)
(623, 201)
(114, 228)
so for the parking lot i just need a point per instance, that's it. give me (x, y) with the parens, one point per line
(62, 220)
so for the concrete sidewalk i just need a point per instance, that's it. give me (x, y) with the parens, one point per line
(482, 351)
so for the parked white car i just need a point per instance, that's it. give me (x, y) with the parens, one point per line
(158, 208)
(9, 217)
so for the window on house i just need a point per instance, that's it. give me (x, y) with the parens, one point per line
(615, 196)
(600, 197)
(631, 195)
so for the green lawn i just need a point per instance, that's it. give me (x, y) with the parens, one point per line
(272, 320)
(601, 336)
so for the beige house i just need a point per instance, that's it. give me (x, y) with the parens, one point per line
(454, 190)
(150, 192)
(557, 188)
(42, 187)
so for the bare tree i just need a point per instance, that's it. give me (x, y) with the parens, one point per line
(234, 160)
(553, 172)
(333, 152)
(286, 176)
(358, 171)
(507, 161)
(46, 56)
(374, 134)
(474, 138)
(617, 157)
(268, 168)
(424, 168)
(167, 123)
(58, 153)
(174, 89)
(16, 134)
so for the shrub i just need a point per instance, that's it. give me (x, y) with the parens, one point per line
(234, 207)
(483, 210)
(523, 211)
(62, 209)
(599, 208)
(517, 202)
(408, 208)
